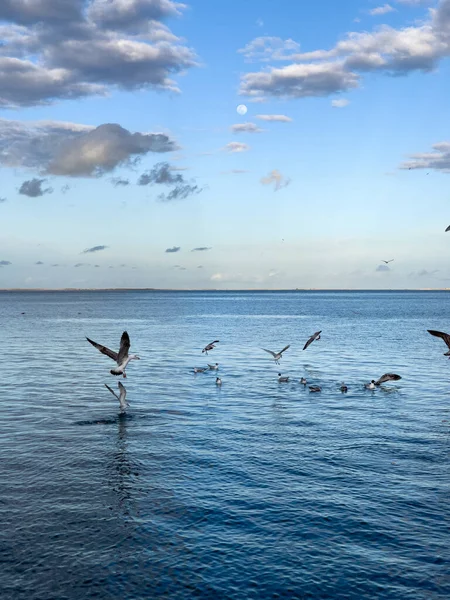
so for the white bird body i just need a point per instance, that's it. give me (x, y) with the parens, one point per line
(218, 381)
(303, 381)
(214, 367)
(370, 386)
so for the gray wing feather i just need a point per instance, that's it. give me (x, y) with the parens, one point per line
(387, 377)
(103, 349)
(440, 334)
(112, 391)
(284, 349)
(269, 351)
(124, 347)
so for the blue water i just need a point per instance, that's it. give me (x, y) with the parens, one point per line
(255, 490)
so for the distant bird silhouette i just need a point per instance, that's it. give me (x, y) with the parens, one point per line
(444, 336)
(210, 346)
(315, 336)
(277, 355)
(388, 261)
(448, 228)
(343, 388)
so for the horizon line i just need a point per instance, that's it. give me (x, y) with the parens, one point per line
(146, 289)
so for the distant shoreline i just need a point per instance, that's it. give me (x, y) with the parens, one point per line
(76, 290)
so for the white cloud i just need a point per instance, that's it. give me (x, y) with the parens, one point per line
(275, 177)
(382, 10)
(246, 128)
(277, 118)
(438, 159)
(341, 103)
(236, 147)
(267, 48)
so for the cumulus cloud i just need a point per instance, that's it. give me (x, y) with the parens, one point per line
(438, 159)
(276, 118)
(236, 147)
(382, 268)
(381, 10)
(385, 49)
(173, 249)
(94, 249)
(163, 174)
(56, 49)
(341, 103)
(33, 188)
(119, 182)
(246, 128)
(275, 177)
(5, 263)
(75, 150)
(201, 249)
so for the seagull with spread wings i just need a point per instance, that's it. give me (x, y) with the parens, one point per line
(277, 355)
(121, 397)
(210, 346)
(387, 377)
(444, 336)
(387, 261)
(315, 336)
(122, 358)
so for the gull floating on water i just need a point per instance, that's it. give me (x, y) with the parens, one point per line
(121, 397)
(210, 346)
(444, 336)
(315, 336)
(277, 355)
(303, 380)
(370, 386)
(122, 357)
(315, 388)
(282, 379)
(200, 370)
(213, 367)
(218, 381)
(343, 388)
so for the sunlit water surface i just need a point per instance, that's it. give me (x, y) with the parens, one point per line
(255, 490)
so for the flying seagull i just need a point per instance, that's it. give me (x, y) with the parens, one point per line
(277, 355)
(444, 336)
(122, 358)
(121, 397)
(387, 377)
(387, 261)
(210, 346)
(315, 336)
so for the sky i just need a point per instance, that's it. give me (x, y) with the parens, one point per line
(125, 162)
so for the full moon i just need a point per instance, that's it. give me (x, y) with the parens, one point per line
(241, 109)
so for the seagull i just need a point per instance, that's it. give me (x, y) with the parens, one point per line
(448, 228)
(213, 367)
(343, 388)
(315, 388)
(315, 336)
(210, 346)
(121, 397)
(282, 379)
(387, 377)
(370, 386)
(444, 336)
(387, 261)
(199, 370)
(303, 380)
(122, 358)
(218, 381)
(277, 355)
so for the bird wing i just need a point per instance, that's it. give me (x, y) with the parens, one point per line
(284, 349)
(448, 228)
(444, 336)
(387, 377)
(269, 351)
(123, 391)
(124, 347)
(112, 391)
(311, 339)
(214, 342)
(103, 349)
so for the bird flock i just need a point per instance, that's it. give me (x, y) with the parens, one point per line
(123, 357)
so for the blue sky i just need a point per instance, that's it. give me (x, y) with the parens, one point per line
(342, 159)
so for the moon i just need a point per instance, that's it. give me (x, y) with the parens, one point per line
(241, 109)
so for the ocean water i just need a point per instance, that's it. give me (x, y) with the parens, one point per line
(253, 490)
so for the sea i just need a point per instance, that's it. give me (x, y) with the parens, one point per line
(255, 489)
